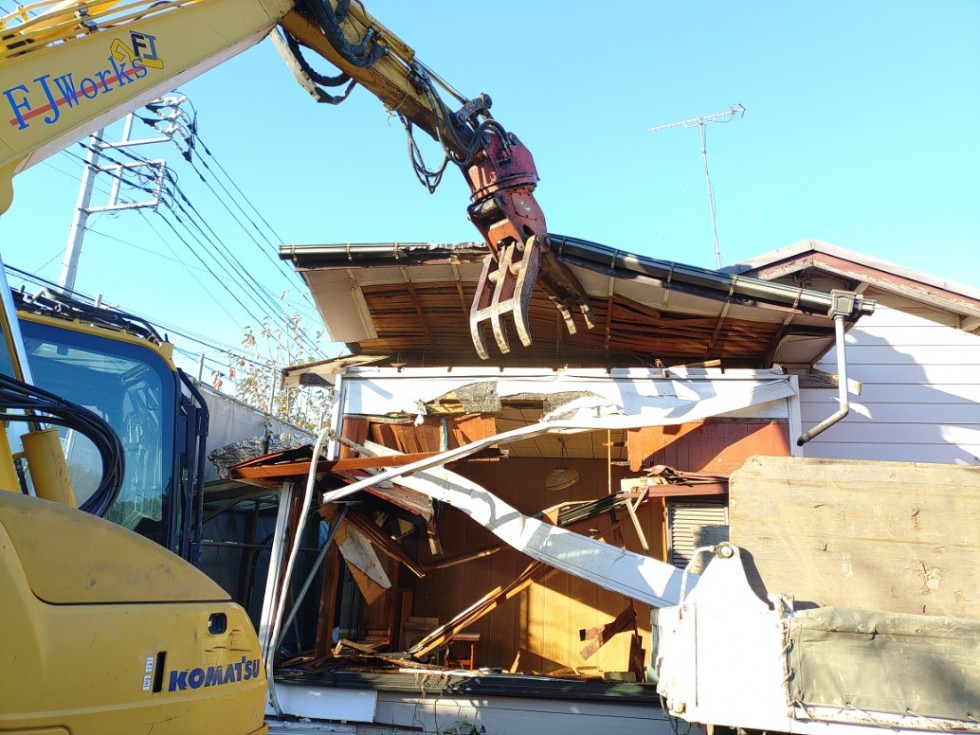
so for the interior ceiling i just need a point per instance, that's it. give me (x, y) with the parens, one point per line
(577, 445)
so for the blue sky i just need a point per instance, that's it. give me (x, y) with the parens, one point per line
(860, 130)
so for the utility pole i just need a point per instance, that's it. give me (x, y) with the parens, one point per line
(93, 167)
(702, 122)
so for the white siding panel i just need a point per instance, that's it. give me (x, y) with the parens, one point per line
(892, 312)
(920, 398)
(902, 413)
(864, 354)
(916, 335)
(909, 374)
(880, 432)
(933, 453)
(907, 393)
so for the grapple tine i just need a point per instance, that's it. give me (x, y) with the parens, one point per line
(478, 309)
(506, 286)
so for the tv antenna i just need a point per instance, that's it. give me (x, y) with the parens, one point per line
(701, 122)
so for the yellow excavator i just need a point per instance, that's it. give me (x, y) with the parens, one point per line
(103, 631)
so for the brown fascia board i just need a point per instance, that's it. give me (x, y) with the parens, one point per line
(956, 298)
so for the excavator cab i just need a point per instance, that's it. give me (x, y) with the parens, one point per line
(103, 631)
(120, 367)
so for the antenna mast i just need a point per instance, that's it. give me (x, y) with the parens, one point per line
(701, 122)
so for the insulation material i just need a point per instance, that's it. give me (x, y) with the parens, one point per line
(884, 662)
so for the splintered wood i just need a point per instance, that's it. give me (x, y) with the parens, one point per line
(893, 536)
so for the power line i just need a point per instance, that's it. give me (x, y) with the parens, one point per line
(157, 323)
(198, 143)
(197, 228)
(212, 255)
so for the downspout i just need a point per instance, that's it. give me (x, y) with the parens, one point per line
(842, 306)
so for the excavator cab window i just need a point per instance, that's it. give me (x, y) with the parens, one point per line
(131, 388)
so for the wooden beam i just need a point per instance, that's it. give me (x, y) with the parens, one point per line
(330, 581)
(536, 571)
(671, 489)
(599, 636)
(717, 330)
(284, 469)
(457, 559)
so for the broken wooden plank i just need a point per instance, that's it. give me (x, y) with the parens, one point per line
(383, 543)
(283, 469)
(345, 643)
(328, 595)
(363, 562)
(466, 557)
(535, 572)
(432, 536)
(599, 636)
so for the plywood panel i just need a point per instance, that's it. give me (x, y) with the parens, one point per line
(356, 429)
(892, 536)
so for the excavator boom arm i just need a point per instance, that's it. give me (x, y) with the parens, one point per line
(73, 66)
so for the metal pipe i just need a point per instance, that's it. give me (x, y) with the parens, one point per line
(842, 398)
(310, 577)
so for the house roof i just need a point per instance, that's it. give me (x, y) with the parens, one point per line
(411, 303)
(861, 271)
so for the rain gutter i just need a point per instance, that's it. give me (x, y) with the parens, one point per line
(591, 256)
(602, 258)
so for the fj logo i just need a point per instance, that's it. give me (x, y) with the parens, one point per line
(44, 96)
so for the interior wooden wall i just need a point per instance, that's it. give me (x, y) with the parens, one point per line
(538, 630)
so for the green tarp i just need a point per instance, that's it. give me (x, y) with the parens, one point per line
(885, 662)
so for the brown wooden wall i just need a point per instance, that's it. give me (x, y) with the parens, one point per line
(538, 630)
(718, 447)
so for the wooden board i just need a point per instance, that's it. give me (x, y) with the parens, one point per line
(895, 536)
(719, 446)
